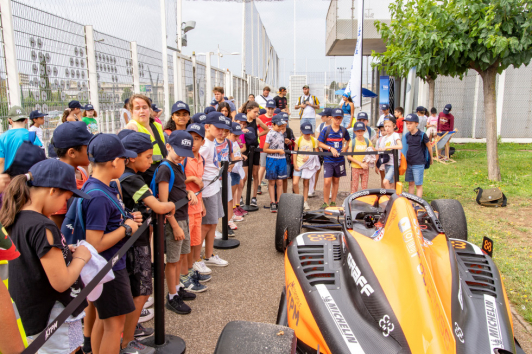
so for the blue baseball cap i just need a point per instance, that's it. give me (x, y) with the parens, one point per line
(306, 128)
(214, 102)
(337, 112)
(107, 147)
(385, 106)
(124, 132)
(181, 142)
(278, 120)
(420, 109)
(75, 104)
(236, 129)
(197, 128)
(36, 114)
(270, 104)
(53, 173)
(228, 123)
(412, 117)
(447, 108)
(325, 112)
(70, 134)
(241, 117)
(179, 106)
(199, 118)
(217, 119)
(89, 107)
(277, 111)
(137, 142)
(262, 111)
(126, 101)
(155, 108)
(362, 115)
(209, 109)
(359, 126)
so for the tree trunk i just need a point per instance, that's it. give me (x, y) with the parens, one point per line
(490, 114)
(432, 89)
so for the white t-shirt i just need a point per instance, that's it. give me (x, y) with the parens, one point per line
(422, 123)
(308, 112)
(381, 118)
(38, 131)
(389, 140)
(261, 100)
(211, 170)
(122, 120)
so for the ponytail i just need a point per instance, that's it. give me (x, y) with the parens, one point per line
(66, 113)
(16, 195)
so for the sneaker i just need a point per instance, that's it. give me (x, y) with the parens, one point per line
(237, 218)
(230, 233)
(136, 347)
(201, 268)
(202, 278)
(259, 190)
(312, 195)
(217, 234)
(305, 206)
(333, 204)
(242, 200)
(264, 183)
(232, 225)
(149, 303)
(216, 261)
(177, 305)
(185, 295)
(146, 315)
(273, 207)
(324, 206)
(242, 210)
(193, 285)
(253, 202)
(141, 331)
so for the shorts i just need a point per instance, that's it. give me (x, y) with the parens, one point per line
(297, 173)
(414, 173)
(263, 156)
(334, 169)
(276, 168)
(431, 131)
(116, 298)
(235, 179)
(214, 209)
(254, 160)
(389, 173)
(138, 265)
(194, 227)
(175, 248)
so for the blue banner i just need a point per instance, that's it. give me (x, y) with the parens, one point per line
(384, 92)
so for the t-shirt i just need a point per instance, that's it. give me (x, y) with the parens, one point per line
(422, 122)
(101, 214)
(222, 150)
(179, 189)
(38, 131)
(194, 168)
(237, 153)
(261, 100)
(79, 184)
(28, 283)
(308, 112)
(268, 121)
(400, 125)
(381, 118)
(92, 124)
(276, 141)
(208, 151)
(280, 102)
(305, 145)
(360, 146)
(433, 120)
(335, 140)
(134, 191)
(127, 113)
(250, 138)
(445, 122)
(389, 140)
(10, 141)
(415, 153)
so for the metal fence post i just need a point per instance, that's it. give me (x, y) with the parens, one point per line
(135, 61)
(177, 76)
(208, 78)
(194, 83)
(91, 66)
(166, 87)
(13, 84)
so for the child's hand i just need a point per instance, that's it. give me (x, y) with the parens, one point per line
(245, 130)
(179, 234)
(133, 224)
(244, 157)
(305, 158)
(280, 152)
(170, 207)
(287, 141)
(192, 198)
(377, 170)
(82, 252)
(203, 213)
(334, 152)
(364, 165)
(137, 217)
(296, 168)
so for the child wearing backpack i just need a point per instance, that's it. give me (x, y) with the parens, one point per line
(45, 278)
(416, 155)
(137, 196)
(359, 168)
(275, 160)
(306, 142)
(239, 147)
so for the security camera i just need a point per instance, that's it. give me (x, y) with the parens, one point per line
(189, 26)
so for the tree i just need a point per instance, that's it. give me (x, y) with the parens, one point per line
(451, 37)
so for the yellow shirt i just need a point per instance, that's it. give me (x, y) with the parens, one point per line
(305, 145)
(359, 147)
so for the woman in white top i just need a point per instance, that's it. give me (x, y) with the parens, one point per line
(125, 114)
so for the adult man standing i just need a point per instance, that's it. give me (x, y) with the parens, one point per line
(280, 100)
(307, 105)
(264, 98)
(219, 97)
(385, 108)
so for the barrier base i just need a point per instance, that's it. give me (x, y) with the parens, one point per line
(226, 244)
(172, 344)
(249, 207)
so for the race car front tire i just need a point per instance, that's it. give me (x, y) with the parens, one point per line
(289, 219)
(452, 217)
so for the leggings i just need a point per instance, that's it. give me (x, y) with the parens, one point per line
(356, 174)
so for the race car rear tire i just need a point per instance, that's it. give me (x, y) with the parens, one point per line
(452, 217)
(289, 219)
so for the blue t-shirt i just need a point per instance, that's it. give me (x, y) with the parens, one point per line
(335, 140)
(222, 150)
(10, 141)
(100, 214)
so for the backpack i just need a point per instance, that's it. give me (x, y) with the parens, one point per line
(328, 131)
(153, 185)
(353, 145)
(426, 152)
(27, 155)
(73, 227)
(314, 100)
(493, 197)
(298, 141)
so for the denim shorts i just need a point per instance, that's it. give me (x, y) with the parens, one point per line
(389, 173)
(414, 173)
(297, 173)
(276, 168)
(334, 169)
(235, 179)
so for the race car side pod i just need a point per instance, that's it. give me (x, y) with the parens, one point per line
(249, 207)
(225, 242)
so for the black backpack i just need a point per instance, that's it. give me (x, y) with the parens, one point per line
(27, 155)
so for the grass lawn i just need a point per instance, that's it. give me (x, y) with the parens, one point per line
(510, 228)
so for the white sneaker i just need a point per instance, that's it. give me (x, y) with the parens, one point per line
(146, 315)
(305, 206)
(201, 268)
(312, 195)
(149, 303)
(217, 234)
(216, 261)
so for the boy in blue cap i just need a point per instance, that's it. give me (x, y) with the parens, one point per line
(275, 161)
(37, 119)
(415, 155)
(266, 119)
(199, 118)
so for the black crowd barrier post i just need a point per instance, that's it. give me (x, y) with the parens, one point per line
(395, 165)
(225, 242)
(251, 157)
(162, 342)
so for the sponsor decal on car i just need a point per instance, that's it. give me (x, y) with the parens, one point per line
(459, 333)
(293, 302)
(358, 278)
(408, 236)
(492, 321)
(386, 325)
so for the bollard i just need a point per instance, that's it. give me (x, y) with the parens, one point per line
(225, 242)
(248, 207)
(395, 165)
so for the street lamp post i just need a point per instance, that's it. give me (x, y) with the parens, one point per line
(341, 70)
(220, 55)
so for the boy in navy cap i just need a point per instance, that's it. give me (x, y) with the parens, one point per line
(420, 112)
(199, 118)
(417, 141)
(266, 118)
(107, 226)
(37, 119)
(209, 109)
(325, 122)
(179, 119)
(275, 161)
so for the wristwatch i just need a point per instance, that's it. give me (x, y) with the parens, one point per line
(330, 147)
(128, 228)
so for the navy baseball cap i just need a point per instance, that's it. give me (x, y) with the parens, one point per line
(236, 129)
(279, 120)
(199, 118)
(226, 99)
(155, 108)
(385, 106)
(362, 115)
(359, 126)
(181, 142)
(262, 111)
(337, 112)
(325, 112)
(126, 101)
(36, 114)
(214, 102)
(217, 119)
(228, 123)
(89, 107)
(447, 108)
(107, 147)
(412, 117)
(75, 104)
(277, 111)
(270, 104)
(420, 109)
(306, 128)
(137, 142)
(241, 117)
(180, 105)
(124, 132)
(52, 173)
(70, 134)
(209, 109)
(197, 128)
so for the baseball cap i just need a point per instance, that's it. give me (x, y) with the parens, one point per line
(106, 147)
(124, 132)
(277, 111)
(325, 112)
(447, 108)
(380, 125)
(420, 109)
(228, 123)
(359, 126)
(270, 104)
(217, 119)
(209, 109)
(214, 102)
(362, 115)
(89, 107)
(306, 86)
(262, 111)
(126, 101)
(236, 129)
(36, 114)
(282, 88)
(53, 173)
(241, 117)
(391, 119)
(137, 142)
(155, 108)
(181, 141)
(16, 113)
(306, 128)
(197, 128)
(337, 112)
(412, 117)
(180, 105)
(385, 106)
(199, 118)
(226, 99)
(70, 134)
(26, 155)
(278, 120)
(75, 104)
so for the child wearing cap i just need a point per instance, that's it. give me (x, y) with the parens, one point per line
(156, 113)
(107, 226)
(37, 119)
(138, 197)
(391, 140)
(73, 112)
(359, 168)
(209, 109)
(275, 161)
(399, 119)
(267, 120)
(420, 112)
(199, 118)
(180, 118)
(306, 142)
(45, 278)
(236, 173)
(385, 108)
(88, 117)
(289, 140)
(417, 141)
(369, 133)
